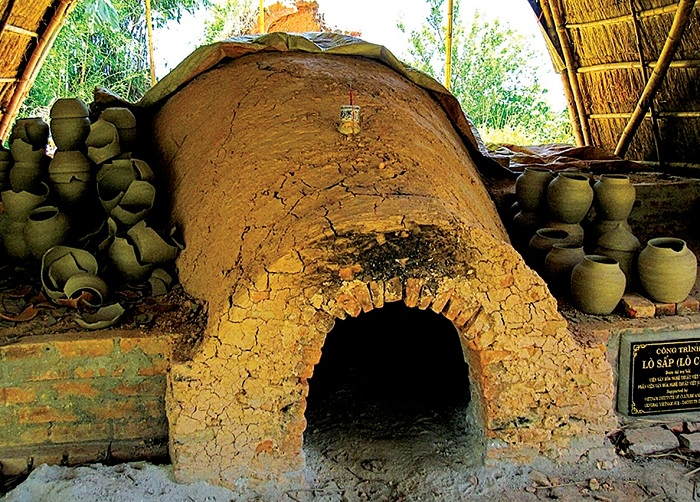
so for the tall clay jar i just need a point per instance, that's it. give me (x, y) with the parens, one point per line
(559, 263)
(569, 197)
(597, 285)
(531, 188)
(46, 227)
(667, 269)
(614, 197)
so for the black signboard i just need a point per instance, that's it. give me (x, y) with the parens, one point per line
(664, 376)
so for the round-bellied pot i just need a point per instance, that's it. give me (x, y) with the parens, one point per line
(531, 188)
(569, 197)
(621, 245)
(46, 227)
(32, 130)
(559, 263)
(667, 269)
(574, 230)
(24, 176)
(70, 125)
(614, 197)
(599, 228)
(597, 285)
(541, 244)
(18, 205)
(125, 122)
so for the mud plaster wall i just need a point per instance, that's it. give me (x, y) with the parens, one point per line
(290, 225)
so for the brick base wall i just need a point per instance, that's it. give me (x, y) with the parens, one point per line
(82, 397)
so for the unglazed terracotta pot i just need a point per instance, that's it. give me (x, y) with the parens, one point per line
(597, 285)
(125, 122)
(46, 227)
(70, 125)
(559, 263)
(614, 197)
(667, 269)
(31, 130)
(86, 281)
(103, 142)
(59, 264)
(18, 205)
(123, 256)
(151, 246)
(569, 197)
(25, 152)
(621, 245)
(574, 230)
(541, 244)
(531, 188)
(599, 228)
(25, 176)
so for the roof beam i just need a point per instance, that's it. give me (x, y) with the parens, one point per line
(658, 11)
(636, 65)
(20, 31)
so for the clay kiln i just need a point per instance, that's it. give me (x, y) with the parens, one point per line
(289, 226)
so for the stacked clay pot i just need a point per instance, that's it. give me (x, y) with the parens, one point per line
(613, 202)
(28, 142)
(530, 192)
(620, 244)
(569, 198)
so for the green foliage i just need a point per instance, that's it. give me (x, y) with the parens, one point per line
(493, 76)
(103, 43)
(230, 19)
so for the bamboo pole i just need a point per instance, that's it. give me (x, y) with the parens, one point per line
(570, 70)
(680, 22)
(21, 31)
(547, 23)
(261, 17)
(635, 65)
(31, 69)
(645, 74)
(662, 115)
(151, 49)
(448, 44)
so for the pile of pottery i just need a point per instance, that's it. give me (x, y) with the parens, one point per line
(548, 230)
(83, 213)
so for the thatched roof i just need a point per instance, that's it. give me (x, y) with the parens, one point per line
(27, 30)
(607, 51)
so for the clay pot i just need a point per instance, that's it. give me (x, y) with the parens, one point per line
(621, 245)
(67, 162)
(69, 108)
(70, 133)
(115, 177)
(86, 281)
(59, 264)
(531, 188)
(25, 176)
(125, 122)
(70, 176)
(569, 197)
(559, 263)
(103, 142)
(46, 227)
(667, 269)
(574, 230)
(124, 257)
(597, 285)
(614, 197)
(33, 131)
(600, 228)
(18, 205)
(135, 204)
(13, 240)
(26, 152)
(541, 244)
(151, 246)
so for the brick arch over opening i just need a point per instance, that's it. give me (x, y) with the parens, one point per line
(289, 225)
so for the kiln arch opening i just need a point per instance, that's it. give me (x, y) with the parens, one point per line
(392, 382)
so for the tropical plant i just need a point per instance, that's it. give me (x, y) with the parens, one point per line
(230, 18)
(102, 44)
(494, 76)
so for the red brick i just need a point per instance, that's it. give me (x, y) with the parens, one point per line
(24, 351)
(393, 290)
(42, 414)
(116, 409)
(159, 367)
(636, 306)
(50, 374)
(154, 387)
(413, 287)
(688, 306)
(142, 429)
(665, 308)
(81, 389)
(78, 433)
(87, 347)
(13, 395)
(149, 345)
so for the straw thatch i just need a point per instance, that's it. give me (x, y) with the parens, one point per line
(631, 69)
(27, 30)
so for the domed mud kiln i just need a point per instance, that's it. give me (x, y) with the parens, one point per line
(290, 225)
